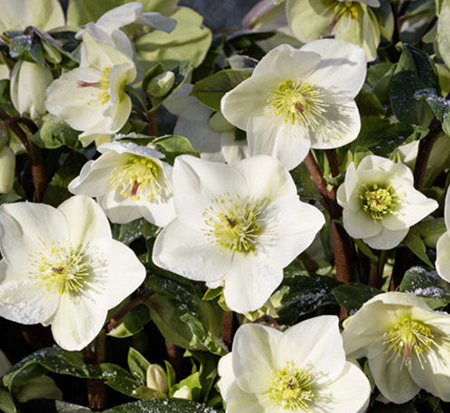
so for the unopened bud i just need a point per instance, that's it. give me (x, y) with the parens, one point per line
(157, 378)
(183, 393)
(7, 169)
(160, 85)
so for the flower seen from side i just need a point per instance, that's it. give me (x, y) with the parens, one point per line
(407, 345)
(130, 182)
(98, 102)
(297, 99)
(380, 202)
(301, 370)
(62, 268)
(236, 226)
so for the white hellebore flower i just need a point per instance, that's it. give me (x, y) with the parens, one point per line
(62, 267)
(92, 98)
(443, 244)
(209, 132)
(130, 182)
(380, 202)
(7, 169)
(407, 345)
(28, 84)
(236, 226)
(300, 98)
(301, 370)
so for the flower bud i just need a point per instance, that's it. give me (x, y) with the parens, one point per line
(160, 85)
(157, 378)
(183, 393)
(7, 169)
(28, 84)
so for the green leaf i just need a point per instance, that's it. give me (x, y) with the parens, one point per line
(439, 105)
(368, 104)
(352, 297)
(162, 406)
(301, 295)
(209, 63)
(189, 41)
(416, 244)
(210, 91)
(138, 364)
(55, 133)
(128, 233)
(117, 378)
(443, 32)
(131, 323)
(415, 71)
(27, 46)
(173, 146)
(428, 284)
(381, 137)
(7, 404)
(64, 407)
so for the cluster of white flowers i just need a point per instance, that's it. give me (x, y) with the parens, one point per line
(232, 217)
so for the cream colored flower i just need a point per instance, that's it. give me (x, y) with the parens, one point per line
(380, 202)
(297, 99)
(130, 182)
(407, 345)
(62, 268)
(236, 226)
(7, 169)
(301, 370)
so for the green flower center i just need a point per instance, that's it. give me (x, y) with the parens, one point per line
(343, 8)
(378, 201)
(291, 388)
(64, 269)
(408, 336)
(233, 222)
(137, 179)
(299, 103)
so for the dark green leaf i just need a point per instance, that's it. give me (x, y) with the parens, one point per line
(7, 402)
(132, 322)
(210, 91)
(416, 244)
(428, 284)
(138, 364)
(162, 406)
(439, 105)
(173, 146)
(55, 133)
(352, 297)
(63, 407)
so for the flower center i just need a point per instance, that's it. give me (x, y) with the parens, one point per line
(343, 8)
(233, 222)
(408, 336)
(290, 388)
(137, 179)
(102, 84)
(298, 103)
(378, 201)
(62, 268)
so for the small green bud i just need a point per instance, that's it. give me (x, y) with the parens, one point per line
(7, 169)
(183, 393)
(160, 85)
(157, 378)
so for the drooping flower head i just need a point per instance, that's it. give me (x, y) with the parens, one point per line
(62, 268)
(380, 202)
(407, 345)
(299, 98)
(130, 182)
(98, 103)
(236, 226)
(301, 370)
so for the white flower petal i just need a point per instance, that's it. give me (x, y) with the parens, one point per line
(386, 239)
(86, 220)
(443, 256)
(392, 378)
(314, 345)
(253, 358)
(24, 227)
(186, 251)
(239, 401)
(250, 281)
(226, 373)
(359, 224)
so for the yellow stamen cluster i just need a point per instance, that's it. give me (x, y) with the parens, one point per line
(233, 222)
(408, 336)
(299, 102)
(137, 178)
(291, 388)
(102, 84)
(378, 201)
(343, 8)
(61, 268)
